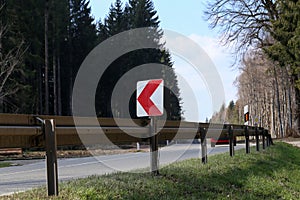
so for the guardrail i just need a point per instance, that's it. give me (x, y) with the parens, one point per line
(27, 131)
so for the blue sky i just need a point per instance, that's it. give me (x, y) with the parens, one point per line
(187, 18)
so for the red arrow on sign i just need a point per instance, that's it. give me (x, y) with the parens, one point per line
(144, 98)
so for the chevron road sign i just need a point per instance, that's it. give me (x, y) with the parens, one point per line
(149, 98)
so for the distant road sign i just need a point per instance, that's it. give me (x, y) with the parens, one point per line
(256, 121)
(246, 115)
(150, 98)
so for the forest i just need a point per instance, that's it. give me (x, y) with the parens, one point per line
(43, 44)
(265, 35)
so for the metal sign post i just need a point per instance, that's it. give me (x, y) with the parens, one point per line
(257, 138)
(153, 147)
(150, 102)
(247, 140)
(231, 145)
(51, 157)
(203, 145)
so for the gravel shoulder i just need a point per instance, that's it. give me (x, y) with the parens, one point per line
(293, 141)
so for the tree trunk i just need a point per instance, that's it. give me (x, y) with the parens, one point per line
(69, 110)
(297, 113)
(273, 115)
(70, 70)
(40, 91)
(54, 58)
(54, 81)
(284, 110)
(278, 103)
(59, 107)
(290, 111)
(295, 79)
(289, 100)
(46, 58)
(1, 105)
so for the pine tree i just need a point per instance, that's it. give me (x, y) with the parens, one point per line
(71, 35)
(81, 39)
(59, 27)
(136, 14)
(115, 21)
(143, 14)
(285, 50)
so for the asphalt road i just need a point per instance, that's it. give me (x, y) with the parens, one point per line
(27, 176)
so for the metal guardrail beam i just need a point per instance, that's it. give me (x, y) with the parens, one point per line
(20, 130)
(27, 128)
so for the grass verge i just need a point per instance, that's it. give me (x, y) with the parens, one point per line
(5, 164)
(270, 174)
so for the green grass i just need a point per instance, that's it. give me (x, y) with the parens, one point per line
(270, 174)
(5, 164)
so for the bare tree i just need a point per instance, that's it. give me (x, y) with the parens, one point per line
(249, 25)
(268, 92)
(244, 23)
(9, 63)
(254, 86)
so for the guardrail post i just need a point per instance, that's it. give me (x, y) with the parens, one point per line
(51, 157)
(231, 145)
(153, 148)
(247, 140)
(268, 139)
(203, 145)
(257, 138)
(264, 139)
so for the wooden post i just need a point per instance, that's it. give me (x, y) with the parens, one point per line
(153, 148)
(231, 145)
(264, 139)
(257, 138)
(268, 138)
(203, 145)
(247, 140)
(51, 157)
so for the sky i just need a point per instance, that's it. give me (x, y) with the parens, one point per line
(187, 18)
